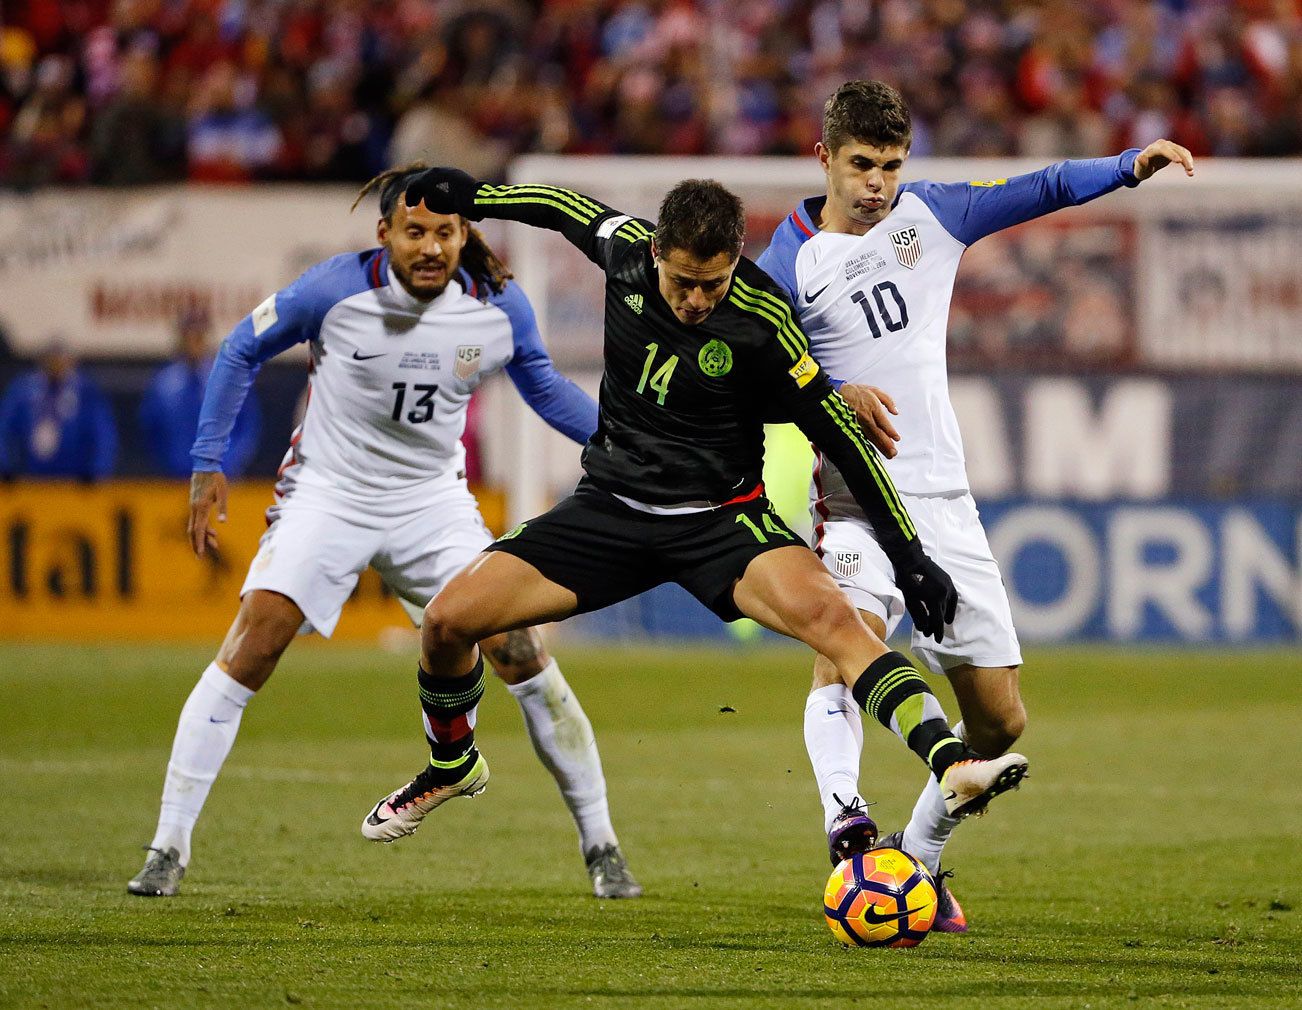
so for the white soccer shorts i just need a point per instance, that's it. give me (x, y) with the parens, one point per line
(318, 545)
(949, 527)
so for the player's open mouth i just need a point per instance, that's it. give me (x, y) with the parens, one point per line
(428, 272)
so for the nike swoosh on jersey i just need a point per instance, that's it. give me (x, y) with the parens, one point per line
(366, 357)
(809, 298)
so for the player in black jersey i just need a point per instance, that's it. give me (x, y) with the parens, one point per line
(701, 348)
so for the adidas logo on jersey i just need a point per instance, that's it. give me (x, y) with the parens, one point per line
(634, 302)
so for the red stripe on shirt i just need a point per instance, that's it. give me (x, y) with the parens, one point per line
(749, 496)
(819, 507)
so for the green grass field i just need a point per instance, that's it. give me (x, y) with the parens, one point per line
(1152, 859)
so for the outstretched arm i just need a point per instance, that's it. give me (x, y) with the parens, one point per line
(554, 398)
(971, 210)
(597, 230)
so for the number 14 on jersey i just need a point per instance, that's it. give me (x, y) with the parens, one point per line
(659, 382)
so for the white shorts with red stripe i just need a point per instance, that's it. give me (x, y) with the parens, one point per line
(318, 543)
(949, 527)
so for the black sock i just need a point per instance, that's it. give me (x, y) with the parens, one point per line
(891, 689)
(448, 705)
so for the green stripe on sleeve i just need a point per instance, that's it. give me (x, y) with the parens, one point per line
(536, 201)
(576, 200)
(744, 302)
(880, 477)
(782, 308)
(875, 462)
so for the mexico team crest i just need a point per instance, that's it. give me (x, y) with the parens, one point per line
(908, 247)
(715, 359)
(848, 563)
(468, 356)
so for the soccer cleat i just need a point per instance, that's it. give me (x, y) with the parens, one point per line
(967, 786)
(401, 812)
(609, 872)
(161, 875)
(852, 831)
(949, 913)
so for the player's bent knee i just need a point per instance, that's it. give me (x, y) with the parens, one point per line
(447, 624)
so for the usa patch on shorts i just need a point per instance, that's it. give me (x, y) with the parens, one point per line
(848, 563)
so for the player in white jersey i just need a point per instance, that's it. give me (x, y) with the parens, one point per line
(870, 267)
(400, 337)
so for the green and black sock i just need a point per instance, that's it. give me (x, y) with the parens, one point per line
(449, 708)
(893, 693)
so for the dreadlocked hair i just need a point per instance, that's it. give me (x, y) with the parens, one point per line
(477, 256)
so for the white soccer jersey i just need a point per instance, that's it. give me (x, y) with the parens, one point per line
(878, 314)
(391, 380)
(391, 377)
(876, 306)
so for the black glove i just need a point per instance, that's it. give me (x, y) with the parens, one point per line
(928, 593)
(445, 191)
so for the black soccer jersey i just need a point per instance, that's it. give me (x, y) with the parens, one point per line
(683, 406)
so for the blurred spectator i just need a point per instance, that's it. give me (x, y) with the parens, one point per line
(432, 128)
(336, 89)
(55, 422)
(230, 141)
(43, 144)
(169, 413)
(135, 139)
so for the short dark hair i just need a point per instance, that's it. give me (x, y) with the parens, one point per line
(702, 217)
(870, 112)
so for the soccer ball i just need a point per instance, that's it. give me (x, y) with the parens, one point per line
(880, 898)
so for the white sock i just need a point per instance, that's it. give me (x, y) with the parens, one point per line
(930, 826)
(204, 735)
(564, 741)
(834, 740)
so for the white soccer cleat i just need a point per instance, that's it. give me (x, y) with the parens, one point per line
(401, 812)
(967, 786)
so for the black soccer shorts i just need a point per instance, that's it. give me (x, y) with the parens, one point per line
(603, 551)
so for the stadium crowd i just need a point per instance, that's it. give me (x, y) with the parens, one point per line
(122, 92)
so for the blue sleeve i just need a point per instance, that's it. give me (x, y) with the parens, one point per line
(971, 210)
(244, 439)
(779, 259)
(554, 398)
(291, 316)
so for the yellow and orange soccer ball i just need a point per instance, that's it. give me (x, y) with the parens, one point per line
(880, 898)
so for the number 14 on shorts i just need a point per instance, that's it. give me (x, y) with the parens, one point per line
(769, 525)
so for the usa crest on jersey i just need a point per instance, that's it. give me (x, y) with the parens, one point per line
(908, 247)
(848, 563)
(467, 364)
